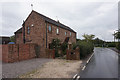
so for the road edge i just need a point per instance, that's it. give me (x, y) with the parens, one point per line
(84, 66)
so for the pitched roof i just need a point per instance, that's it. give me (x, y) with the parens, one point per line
(47, 19)
(19, 31)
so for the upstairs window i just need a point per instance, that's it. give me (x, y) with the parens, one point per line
(28, 30)
(57, 31)
(65, 33)
(50, 29)
(70, 33)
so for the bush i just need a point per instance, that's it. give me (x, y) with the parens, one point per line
(55, 45)
(64, 46)
(118, 46)
(85, 48)
(12, 38)
(111, 44)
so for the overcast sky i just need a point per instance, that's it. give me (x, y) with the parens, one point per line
(83, 16)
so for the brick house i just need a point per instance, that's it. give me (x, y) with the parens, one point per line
(40, 29)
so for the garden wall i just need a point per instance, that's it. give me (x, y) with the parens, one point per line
(50, 53)
(73, 54)
(17, 52)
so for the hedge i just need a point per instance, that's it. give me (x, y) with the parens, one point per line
(111, 44)
(85, 48)
(118, 46)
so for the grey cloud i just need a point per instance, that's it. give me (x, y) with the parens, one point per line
(84, 17)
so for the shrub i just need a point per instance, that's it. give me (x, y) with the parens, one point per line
(55, 45)
(12, 38)
(64, 46)
(118, 46)
(74, 45)
(85, 48)
(111, 44)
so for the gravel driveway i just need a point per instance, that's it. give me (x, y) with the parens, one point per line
(57, 68)
(13, 70)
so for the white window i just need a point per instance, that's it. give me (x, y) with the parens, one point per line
(65, 33)
(50, 29)
(28, 30)
(57, 31)
(70, 33)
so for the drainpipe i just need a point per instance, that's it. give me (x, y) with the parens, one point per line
(46, 34)
(23, 32)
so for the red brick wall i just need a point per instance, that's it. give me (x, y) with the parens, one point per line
(19, 38)
(74, 56)
(37, 32)
(18, 52)
(50, 53)
(4, 53)
(52, 35)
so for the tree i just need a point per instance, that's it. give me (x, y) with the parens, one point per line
(117, 35)
(88, 37)
(12, 38)
(98, 41)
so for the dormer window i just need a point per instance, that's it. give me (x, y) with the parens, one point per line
(57, 31)
(28, 30)
(50, 29)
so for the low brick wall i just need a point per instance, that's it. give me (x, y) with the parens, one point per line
(73, 54)
(50, 53)
(17, 52)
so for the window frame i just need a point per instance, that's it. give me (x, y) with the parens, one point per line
(50, 27)
(57, 31)
(70, 34)
(28, 30)
(65, 33)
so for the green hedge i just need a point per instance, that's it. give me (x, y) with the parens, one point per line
(118, 46)
(111, 44)
(85, 48)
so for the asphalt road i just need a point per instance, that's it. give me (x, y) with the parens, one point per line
(104, 64)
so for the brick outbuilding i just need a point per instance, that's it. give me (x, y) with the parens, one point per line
(40, 29)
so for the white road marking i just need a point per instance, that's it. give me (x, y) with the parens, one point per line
(83, 67)
(75, 76)
(78, 77)
(90, 58)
